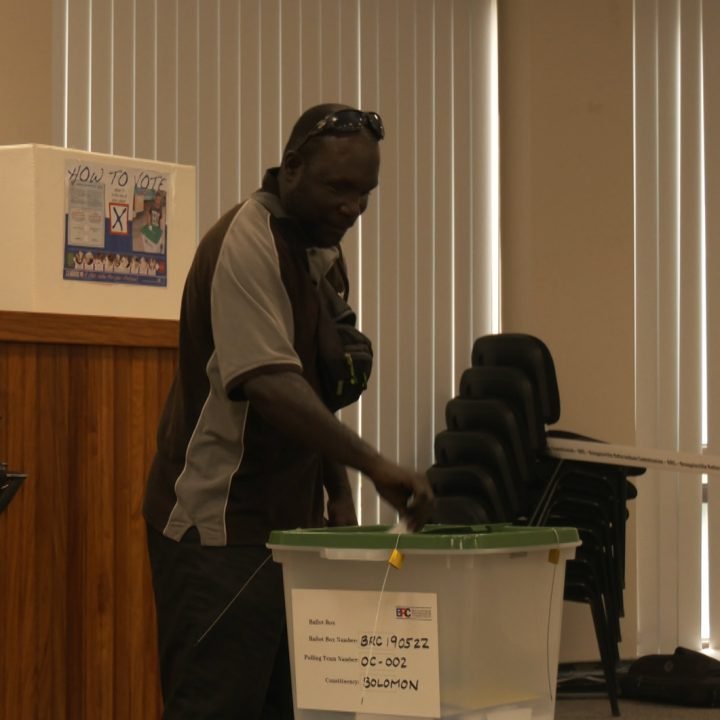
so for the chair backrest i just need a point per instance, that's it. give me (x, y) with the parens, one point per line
(530, 354)
(483, 449)
(512, 386)
(495, 416)
(461, 510)
(470, 481)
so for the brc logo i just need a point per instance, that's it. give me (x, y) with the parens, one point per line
(414, 612)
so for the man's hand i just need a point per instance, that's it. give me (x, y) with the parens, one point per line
(409, 492)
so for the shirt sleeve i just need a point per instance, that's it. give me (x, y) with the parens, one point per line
(252, 316)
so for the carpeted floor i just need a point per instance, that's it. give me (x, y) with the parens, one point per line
(599, 709)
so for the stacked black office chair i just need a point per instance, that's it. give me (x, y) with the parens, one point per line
(492, 465)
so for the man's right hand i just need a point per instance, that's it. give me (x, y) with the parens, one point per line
(409, 492)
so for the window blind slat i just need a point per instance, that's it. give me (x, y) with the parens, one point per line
(101, 78)
(646, 231)
(690, 334)
(250, 97)
(166, 72)
(711, 90)
(78, 69)
(270, 88)
(349, 53)
(462, 171)
(425, 177)
(330, 86)
(187, 72)
(143, 62)
(291, 64)
(348, 93)
(389, 305)
(229, 82)
(208, 112)
(668, 318)
(123, 44)
(311, 68)
(444, 240)
(369, 265)
(484, 151)
(406, 234)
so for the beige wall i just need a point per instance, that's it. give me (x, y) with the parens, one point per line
(26, 76)
(566, 127)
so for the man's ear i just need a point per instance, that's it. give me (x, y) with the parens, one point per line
(292, 165)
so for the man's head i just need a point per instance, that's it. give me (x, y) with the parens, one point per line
(330, 165)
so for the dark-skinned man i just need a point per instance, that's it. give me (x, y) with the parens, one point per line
(248, 441)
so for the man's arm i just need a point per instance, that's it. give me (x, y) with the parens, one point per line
(340, 503)
(287, 401)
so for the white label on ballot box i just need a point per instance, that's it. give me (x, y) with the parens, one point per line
(369, 652)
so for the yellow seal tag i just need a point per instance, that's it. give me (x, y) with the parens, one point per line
(554, 556)
(396, 559)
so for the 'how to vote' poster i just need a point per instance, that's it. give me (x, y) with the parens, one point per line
(116, 224)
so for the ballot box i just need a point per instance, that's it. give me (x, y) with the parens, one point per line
(457, 622)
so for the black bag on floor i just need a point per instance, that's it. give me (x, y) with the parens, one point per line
(686, 677)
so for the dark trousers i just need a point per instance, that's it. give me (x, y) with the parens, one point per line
(241, 668)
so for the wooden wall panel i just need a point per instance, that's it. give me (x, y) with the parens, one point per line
(17, 541)
(77, 626)
(51, 501)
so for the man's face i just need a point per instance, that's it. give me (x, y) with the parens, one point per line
(329, 191)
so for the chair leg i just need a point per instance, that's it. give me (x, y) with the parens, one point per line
(607, 656)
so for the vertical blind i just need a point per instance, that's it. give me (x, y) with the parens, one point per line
(677, 143)
(219, 83)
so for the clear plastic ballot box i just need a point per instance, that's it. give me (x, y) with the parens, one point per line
(453, 622)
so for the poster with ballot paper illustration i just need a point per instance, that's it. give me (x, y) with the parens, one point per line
(116, 224)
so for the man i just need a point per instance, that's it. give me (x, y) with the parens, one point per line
(247, 441)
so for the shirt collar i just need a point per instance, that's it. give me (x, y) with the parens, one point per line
(269, 193)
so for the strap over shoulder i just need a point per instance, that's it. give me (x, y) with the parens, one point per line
(345, 354)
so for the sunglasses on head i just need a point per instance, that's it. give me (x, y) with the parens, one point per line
(346, 121)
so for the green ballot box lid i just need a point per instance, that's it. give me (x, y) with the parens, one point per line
(444, 538)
